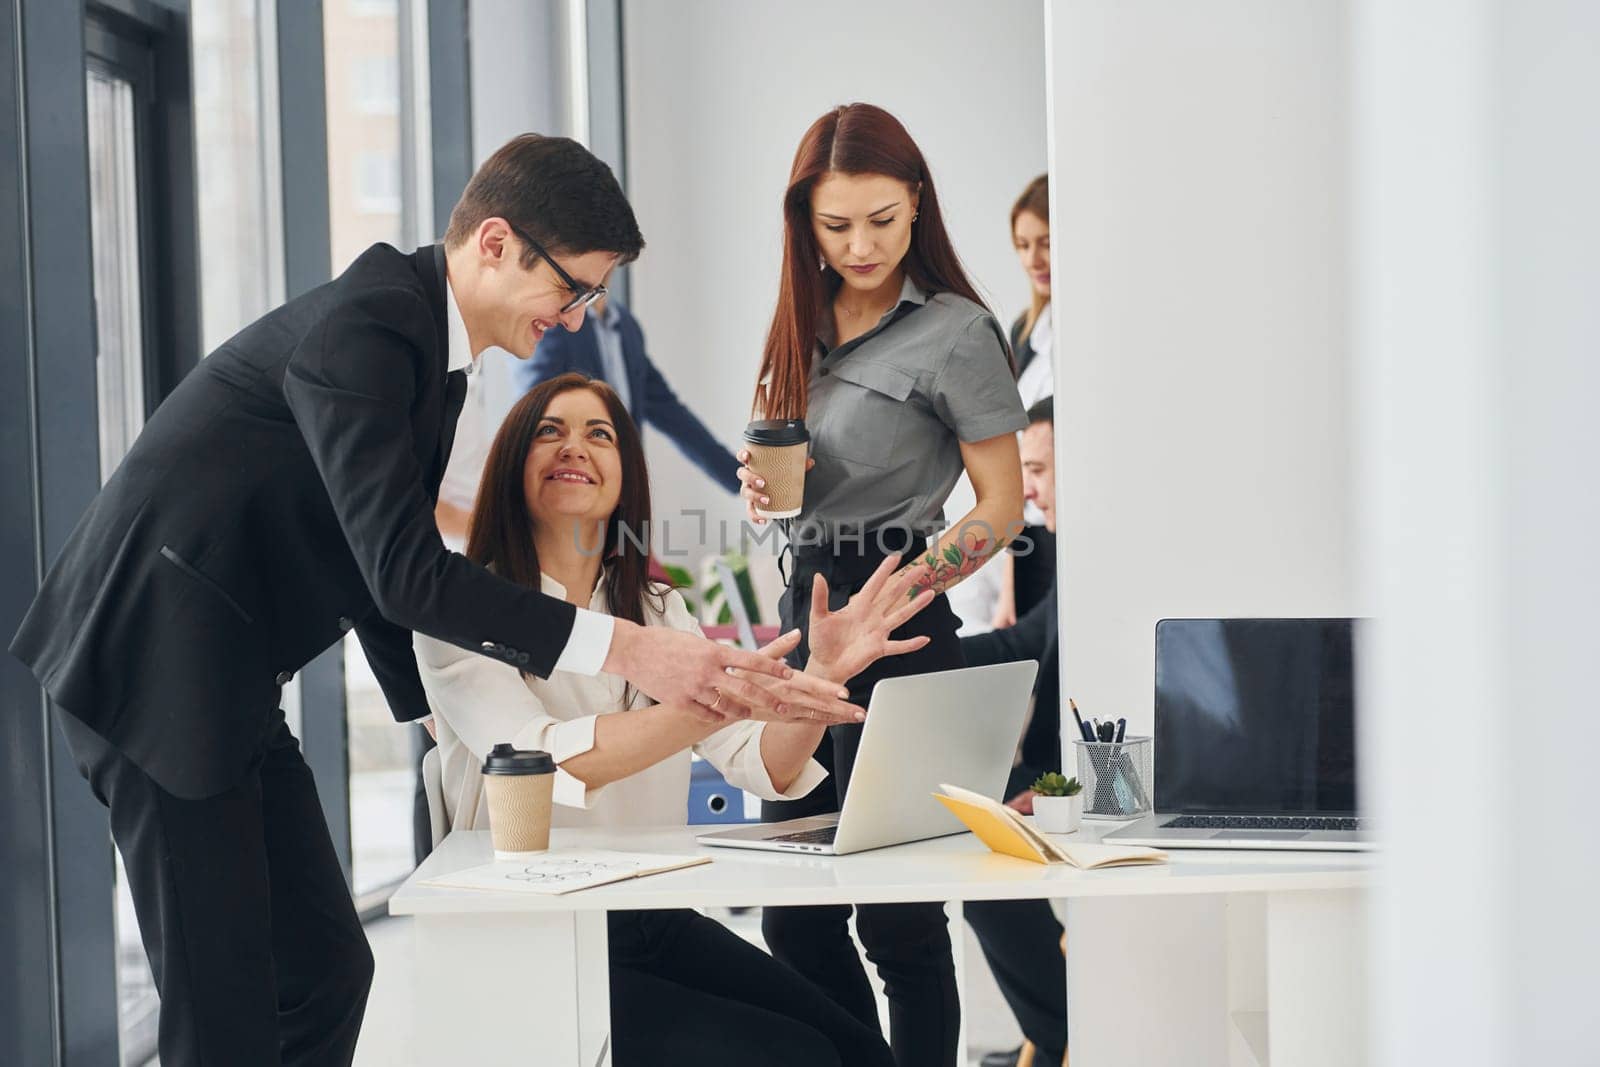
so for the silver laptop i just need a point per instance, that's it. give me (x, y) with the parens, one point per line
(922, 730)
(1255, 736)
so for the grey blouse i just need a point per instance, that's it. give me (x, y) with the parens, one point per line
(887, 412)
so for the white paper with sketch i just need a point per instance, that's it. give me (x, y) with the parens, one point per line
(563, 871)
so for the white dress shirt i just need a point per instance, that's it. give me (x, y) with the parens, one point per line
(479, 703)
(474, 432)
(1038, 379)
(590, 640)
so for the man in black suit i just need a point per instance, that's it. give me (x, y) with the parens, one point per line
(281, 496)
(1021, 939)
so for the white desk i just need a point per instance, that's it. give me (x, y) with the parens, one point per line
(1218, 959)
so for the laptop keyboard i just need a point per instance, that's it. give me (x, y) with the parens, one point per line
(822, 835)
(1265, 822)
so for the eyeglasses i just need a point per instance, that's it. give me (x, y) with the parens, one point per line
(583, 295)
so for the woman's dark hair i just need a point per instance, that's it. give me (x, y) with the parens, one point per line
(500, 533)
(555, 190)
(852, 139)
(1035, 200)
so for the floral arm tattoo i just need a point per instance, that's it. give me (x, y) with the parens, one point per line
(946, 565)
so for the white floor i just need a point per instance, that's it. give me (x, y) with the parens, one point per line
(386, 1034)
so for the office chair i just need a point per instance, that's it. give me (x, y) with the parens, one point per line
(433, 785)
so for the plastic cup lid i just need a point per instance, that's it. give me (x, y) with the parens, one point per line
(777, 432)
(505, 759)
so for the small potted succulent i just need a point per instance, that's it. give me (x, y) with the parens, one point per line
(1057, 803)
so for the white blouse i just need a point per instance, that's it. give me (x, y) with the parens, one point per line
(1038, 378)
(479, 702)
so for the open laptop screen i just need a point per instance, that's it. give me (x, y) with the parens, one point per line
(1255, 716)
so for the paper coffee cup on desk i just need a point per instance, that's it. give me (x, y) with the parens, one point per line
(519, 785)
(778, 450)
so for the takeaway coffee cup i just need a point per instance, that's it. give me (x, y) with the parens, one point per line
(778, 454)
(519, 785)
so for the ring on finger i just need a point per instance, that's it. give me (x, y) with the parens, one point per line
(714, 703)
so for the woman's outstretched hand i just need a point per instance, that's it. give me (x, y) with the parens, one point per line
(675, 667)
(789, 705)
(845, 642)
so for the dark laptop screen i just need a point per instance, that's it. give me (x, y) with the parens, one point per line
(1255, 716)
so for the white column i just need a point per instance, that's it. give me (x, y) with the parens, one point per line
(1477, 269)
(1199, 181)
(480, 978)
(1317, 979)
(1147, 981)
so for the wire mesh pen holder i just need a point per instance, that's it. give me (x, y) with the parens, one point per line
(1116, 776)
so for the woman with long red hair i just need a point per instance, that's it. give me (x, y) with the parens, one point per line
(882, 345)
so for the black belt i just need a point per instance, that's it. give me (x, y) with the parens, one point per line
(851, 560)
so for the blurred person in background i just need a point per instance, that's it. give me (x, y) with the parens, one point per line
(998, 595)
(609, 345)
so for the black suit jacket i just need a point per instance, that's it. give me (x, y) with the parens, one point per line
(282, 495)
(1022, 349)
(1033, 637)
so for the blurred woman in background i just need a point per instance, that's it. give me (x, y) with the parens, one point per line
(1026, 578)
(995, 598)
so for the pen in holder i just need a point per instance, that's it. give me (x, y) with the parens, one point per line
(1116, 776)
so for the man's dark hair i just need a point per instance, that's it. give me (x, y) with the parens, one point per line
(1043, 411)
(556, 191)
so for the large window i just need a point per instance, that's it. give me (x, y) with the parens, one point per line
(120, 396)
(367, 193)
(361, 46)
(241, 275)
(118, 288)
(137, 192)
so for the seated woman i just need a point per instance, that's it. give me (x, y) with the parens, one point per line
(565, 505)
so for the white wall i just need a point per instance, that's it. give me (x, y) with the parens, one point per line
(1478, 266)
(1203, 433)
(1236, 175)
(718, 95)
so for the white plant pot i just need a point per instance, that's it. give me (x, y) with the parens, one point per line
(1058, 815)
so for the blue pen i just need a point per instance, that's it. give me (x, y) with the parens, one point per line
(1122, 730)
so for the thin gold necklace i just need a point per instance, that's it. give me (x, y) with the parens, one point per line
(851, 314)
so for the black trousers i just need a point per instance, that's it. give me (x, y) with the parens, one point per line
(909, 944)
(1033, 575)
(253, 940)
(685, 989)
(1021, 939)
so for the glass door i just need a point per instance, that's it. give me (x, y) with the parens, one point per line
(135, 71)
(120, 377)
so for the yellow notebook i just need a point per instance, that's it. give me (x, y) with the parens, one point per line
(1005, 831)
